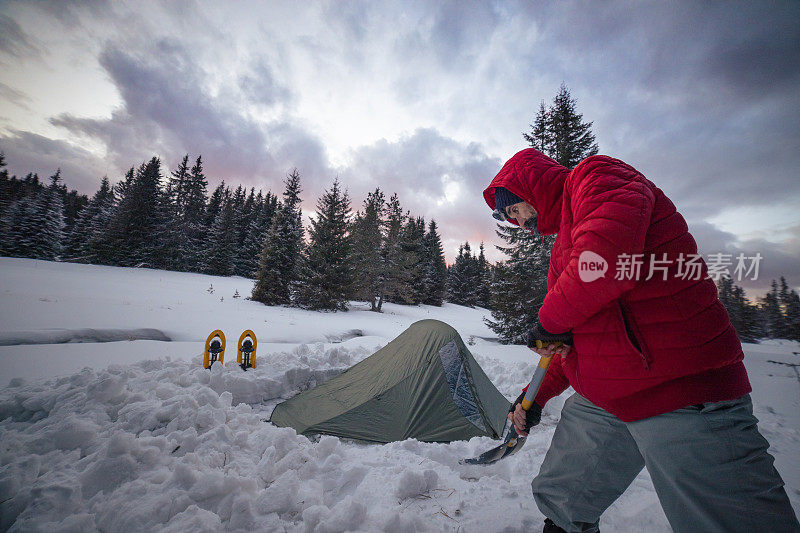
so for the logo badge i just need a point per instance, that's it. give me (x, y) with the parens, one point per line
(591, 266)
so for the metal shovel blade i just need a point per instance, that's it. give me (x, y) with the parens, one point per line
(513, 442)
(510, 446)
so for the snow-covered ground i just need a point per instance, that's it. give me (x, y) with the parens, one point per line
(133, 434)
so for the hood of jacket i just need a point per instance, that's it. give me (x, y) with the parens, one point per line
(537, 179)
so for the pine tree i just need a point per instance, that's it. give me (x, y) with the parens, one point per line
(172, 232)
(74, 204)
(15, 189)
(326, 272)
(48, 221)
(247, 213)
(742, 313)
(367, 239)
(218, 258)
(483, 289)
(178, 185)
(18, 229)
(245, 264)
(780, 312)
(98, 249)
(214, 204)
(751, 327)
(77, 248)
(464, 278)
(194, 199)
(785, 302)
(435, 282)
(540, 136)
(456, 279)
(277, 275)
(258, 229)
(792, 314)
(193, 215)
(395, 285)
(572, 139)
(5, 187)
(412, 246)
(519, 284)
(136, 227)
(241, 223)
(106, 242)
(774, 320)
(559, 131)
(18, 225)
(36, 219)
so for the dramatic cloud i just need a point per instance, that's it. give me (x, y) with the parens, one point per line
(14, 96)
(169, 110)
(700, 96)
(261, 87)
(778, 259)
(423, 99)
(434, 177)
(14, 41)
(40, 155)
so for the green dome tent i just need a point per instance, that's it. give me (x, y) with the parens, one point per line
(424, 384)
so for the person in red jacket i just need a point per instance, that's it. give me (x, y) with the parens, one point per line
(649, 350)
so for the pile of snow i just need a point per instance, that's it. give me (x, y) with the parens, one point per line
(59, 336)
(169, 444)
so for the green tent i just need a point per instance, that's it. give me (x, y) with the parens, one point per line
(423, 385)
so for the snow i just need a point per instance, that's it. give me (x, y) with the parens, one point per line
(56, 336)
(136, 435)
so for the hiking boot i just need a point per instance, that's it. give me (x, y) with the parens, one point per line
(550, 527)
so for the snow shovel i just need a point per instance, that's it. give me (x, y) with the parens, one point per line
(513, 441)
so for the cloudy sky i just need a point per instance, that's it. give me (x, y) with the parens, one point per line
(425, 99)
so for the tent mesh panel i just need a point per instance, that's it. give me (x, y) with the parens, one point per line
(459, 384)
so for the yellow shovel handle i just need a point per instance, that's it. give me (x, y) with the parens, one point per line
(536, 380)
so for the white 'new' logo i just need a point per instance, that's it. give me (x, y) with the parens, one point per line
(591, 266)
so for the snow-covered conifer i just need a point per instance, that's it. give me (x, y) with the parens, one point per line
(218, 258)
(368, 235)
(435, 281)
(277, 275)
(326, 272)
(519, 284)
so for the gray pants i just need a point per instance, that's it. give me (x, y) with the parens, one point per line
(709, 465)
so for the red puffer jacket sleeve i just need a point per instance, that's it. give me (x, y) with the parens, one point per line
(611, 210)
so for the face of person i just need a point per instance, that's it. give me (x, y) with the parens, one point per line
(524, 214)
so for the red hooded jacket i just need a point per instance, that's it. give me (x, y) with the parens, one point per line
(642, 346)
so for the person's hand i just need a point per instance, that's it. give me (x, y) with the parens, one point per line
(548, 340)
(550, 350)
(524, 420)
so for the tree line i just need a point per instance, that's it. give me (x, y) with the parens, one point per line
(382, 253)
(775, 315)
(379, 254)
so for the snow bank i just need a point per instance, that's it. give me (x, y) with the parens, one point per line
(60, 336)
(156, 444)
(170, 445)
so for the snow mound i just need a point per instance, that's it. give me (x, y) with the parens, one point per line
(170, 445)
(61, 336)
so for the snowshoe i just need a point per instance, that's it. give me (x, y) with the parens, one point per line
(246, 350)
(215, 349)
